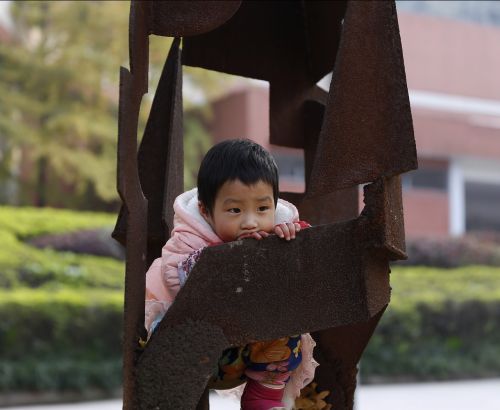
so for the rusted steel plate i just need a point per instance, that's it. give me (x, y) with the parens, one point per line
(161, 152)
(384, 209)
(323, 29)
(288, 125)
(192, 17)
(135, 204)
(174, 170)
(250, 275)
(173, 373)
(283, 294)
(288, 43)
(367, 131)
(161, 169)
(263, 40)
(340, 270)
(135, 82)
(139, 29)
(338, 351)
(338, 206)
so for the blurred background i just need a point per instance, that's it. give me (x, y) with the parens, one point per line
(61, 275)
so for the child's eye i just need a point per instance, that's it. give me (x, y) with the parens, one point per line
(234, 210)
(263, 208)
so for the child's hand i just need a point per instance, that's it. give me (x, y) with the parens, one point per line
(287, 231)
(255, 235)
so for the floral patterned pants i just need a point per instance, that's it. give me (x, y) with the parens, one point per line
(269, 362)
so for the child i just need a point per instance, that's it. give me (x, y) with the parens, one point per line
(236, 198)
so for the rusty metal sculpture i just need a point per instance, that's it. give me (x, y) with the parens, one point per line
(360, 132)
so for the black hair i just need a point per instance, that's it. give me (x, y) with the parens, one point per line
(230, 160)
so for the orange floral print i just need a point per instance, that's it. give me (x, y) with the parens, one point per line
(270, 351)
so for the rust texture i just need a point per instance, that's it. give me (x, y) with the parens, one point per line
(333, 279)
(190, 17)
(367, 132)
(160, 171)
(291, 44)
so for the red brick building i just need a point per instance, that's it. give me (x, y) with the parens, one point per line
(452, 71)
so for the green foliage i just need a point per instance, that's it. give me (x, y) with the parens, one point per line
(196, 144)
(59, 103)
(28, 222)
(61, 313)
(82, 323)
(24, 265)
(440, 324)
(64, 340)
(55, 94)
(49, 337)
(60, 374)
(419, 284)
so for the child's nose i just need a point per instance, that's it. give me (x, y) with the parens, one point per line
(249, 222)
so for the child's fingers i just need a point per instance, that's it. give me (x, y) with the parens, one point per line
(286, 231)
(291, 228)
(278, 231)
(297, 227)
(256, 235)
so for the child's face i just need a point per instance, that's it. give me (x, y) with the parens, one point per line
(241, 209)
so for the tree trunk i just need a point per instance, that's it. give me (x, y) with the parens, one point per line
(41, 183)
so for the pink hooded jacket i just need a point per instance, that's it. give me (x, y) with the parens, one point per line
(191, 232)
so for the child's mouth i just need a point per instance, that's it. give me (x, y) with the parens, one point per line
(245, 235)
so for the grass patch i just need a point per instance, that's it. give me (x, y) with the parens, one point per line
(22, 265)
(27, 222)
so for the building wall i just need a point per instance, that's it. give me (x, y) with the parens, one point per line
(242, 113)
(435, 222)
(453, 135)
(449, 56)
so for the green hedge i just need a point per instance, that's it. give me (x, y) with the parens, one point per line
(22, 265)
(45, 336)
(62, 314)
(441, 324)
(26, 222)
(61, 374)
(80, 323)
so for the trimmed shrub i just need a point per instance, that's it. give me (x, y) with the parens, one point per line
(441, 324)
(479, 249)
(95, 242)
(60, 340)
(26, 222)
(83, 324)
(61, 312)
(27, 266)
(60, 374)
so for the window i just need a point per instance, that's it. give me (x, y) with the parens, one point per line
(427, 177)
(482, 206)
(290, 165)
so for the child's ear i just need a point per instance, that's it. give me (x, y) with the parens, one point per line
(203, 210)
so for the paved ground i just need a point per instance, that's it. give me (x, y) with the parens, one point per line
(480, 395)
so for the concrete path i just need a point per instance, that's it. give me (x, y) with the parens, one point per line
(466, 395)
